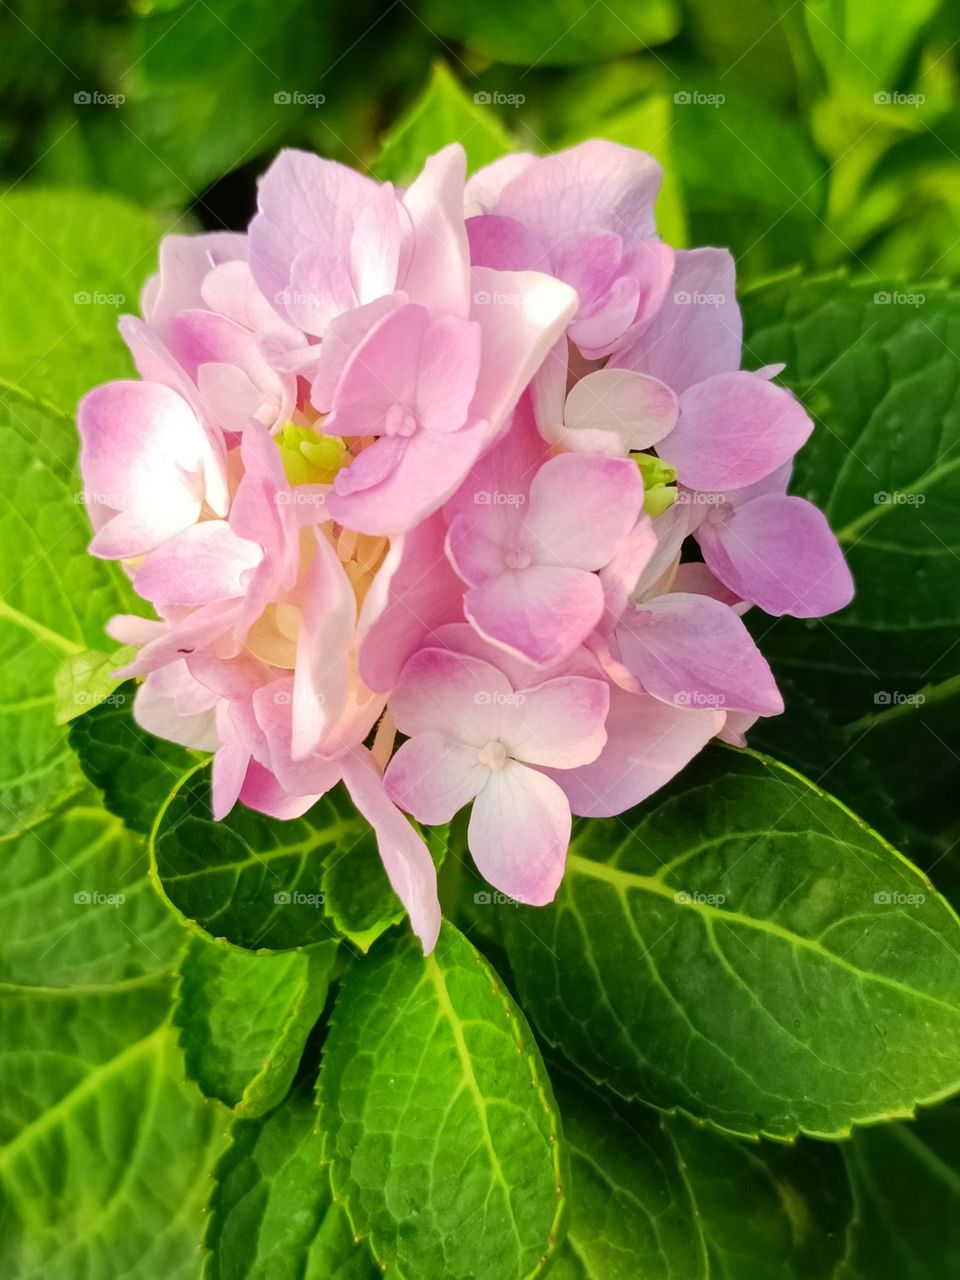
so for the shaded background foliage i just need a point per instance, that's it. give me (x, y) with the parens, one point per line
(820, 140)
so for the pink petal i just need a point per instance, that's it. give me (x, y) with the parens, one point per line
(558, 723)
(639, 409)
(580, 508)
(415, 591)
(477, 542)
(504, 244)
(697, 331)
(437, 272)
(304, 202)
(695, 652)
(145, 457)
(543, 612)
(324, 642)
(595, 186)
(521, 315)
(204, 563)
(779, 553)
(452, 694)
(156, 711)
(648, 741)
(433, 776)
(734, 429)
(484, 187)
(406, 859)
(427, 472)
(519, 832)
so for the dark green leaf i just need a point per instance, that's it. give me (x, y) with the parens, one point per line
(527, 33)
(261, 883)
(875, 365)
(273, 1216)
(134, 770)
(244, 1018)
(906, 1187)
(744, 949)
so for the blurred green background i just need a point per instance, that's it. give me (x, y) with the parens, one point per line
(820, 132)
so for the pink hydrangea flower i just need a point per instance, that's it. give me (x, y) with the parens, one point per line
(430, 462)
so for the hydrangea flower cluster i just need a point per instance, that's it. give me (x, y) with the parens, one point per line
(432, 463)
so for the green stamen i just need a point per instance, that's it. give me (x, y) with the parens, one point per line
(309, 457)
(659, 483)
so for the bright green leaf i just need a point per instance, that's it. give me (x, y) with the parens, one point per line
(744, 949)
(439, 1119)
(244, 1018)
(105, 1151)
(443, 113)
(74, 262)
(86, 680)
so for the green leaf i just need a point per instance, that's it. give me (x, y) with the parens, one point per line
(766, 1211)
(244, 1019)
(80, 259)
(272, 1214)
(105, 1151)
(876, 368)
(906, 1187)
(262, 883)
(864, 46)
(744, 949)
(54, 600)
(86, 680)
(438, 1117)
(443, 113)
(743, 170)
(563, 33)
(631, 1210)
(134, 770)
(77, 904)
